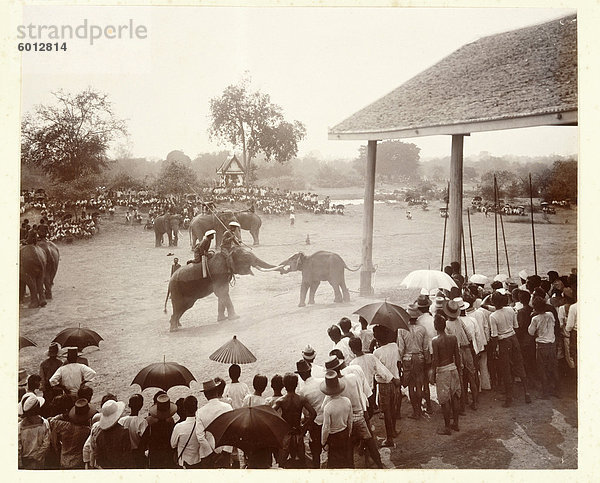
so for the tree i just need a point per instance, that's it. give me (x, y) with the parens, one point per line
(251, 121)
(395, 160)
(175, 179)
(563, 182)
(509, 185)
(124, 181)
(179, 157)
(69, 139)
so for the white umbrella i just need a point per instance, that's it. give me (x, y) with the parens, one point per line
(428, 279)
(501, 277)
(477, 278)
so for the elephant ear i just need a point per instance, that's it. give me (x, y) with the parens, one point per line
(242, 260)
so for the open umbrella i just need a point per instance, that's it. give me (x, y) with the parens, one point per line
(78, 337)
(163, 375)
(383, 313)
(249, 428)
(233, 352)
(25, 342)
(428, 279)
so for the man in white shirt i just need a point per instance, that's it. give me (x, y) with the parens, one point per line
(184, 439)
(72, 375)
(426, 320)
(353, 391)
(309, 354)
(571, 331)
(311, 390)
(211, 457)
(335, 334)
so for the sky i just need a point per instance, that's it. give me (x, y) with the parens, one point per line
(319, 64)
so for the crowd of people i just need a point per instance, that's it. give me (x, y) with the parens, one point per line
(452, 346)
(58, 229)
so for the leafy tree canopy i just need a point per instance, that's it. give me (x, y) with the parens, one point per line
(175, 179)
(69, 139)
(250, 120)
(395, 160)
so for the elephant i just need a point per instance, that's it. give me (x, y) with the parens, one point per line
(202, 223)
(168, 224)
(318, 267)
(52, 259)
(32, 272)
(187, 284)
(250, 221)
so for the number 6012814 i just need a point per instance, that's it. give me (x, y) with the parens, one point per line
(41, 46)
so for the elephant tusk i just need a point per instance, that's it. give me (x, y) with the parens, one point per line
(269, 269)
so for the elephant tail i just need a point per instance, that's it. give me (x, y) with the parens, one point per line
(352, 270)
(167, 298)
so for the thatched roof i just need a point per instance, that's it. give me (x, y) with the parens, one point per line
(231, 166)
(525, 77)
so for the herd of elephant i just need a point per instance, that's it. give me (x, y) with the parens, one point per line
(39, 264)
(170, 224)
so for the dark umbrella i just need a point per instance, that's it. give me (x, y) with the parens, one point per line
(78, 337)
(163, 375)
(249, 428)
(383, 313)
(233, 352)
(25, 342)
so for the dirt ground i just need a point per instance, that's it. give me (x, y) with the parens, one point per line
(116, 284)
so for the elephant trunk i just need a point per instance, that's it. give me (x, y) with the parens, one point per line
(264, 266)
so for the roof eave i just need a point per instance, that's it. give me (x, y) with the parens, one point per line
(567, 117)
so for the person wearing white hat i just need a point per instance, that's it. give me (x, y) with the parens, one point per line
(229, 241)
(201, 251)
(113, 445)
(34, 433)
(523, 276)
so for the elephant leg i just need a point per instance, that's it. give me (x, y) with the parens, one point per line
(303, 290)
(48, 288)
(225, 304)
(255, 238)
(179, 308)
(336, 291)
(33, 291)
(345, 293)
(21, 290)
(175, 239)
(313, 290)
(158, 240)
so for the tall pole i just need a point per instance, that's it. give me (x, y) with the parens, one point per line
(464, 247)
(369, 210)
(471, 239)
(504, 240)
(445, 224)
(496, 223)
(456, 196)
(532, 227)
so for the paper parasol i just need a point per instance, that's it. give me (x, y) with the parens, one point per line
(233, 352)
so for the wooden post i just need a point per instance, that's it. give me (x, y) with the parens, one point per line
(455, 197)
(471, 239)
(445, 226)
(369, 209)
(532, 224)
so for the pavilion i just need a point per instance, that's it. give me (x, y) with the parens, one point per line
(231, 172)
(517, 79)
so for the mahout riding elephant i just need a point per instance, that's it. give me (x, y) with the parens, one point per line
(316, 268)
(202, 223)
(32, 272)
(168, 224)
(251, 222)
(187, 284)
(52, 259)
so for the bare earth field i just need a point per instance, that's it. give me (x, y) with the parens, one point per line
(116, 284)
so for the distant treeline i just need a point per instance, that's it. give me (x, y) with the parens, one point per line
(553, 177)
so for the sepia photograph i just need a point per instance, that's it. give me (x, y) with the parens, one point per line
(284, 237)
